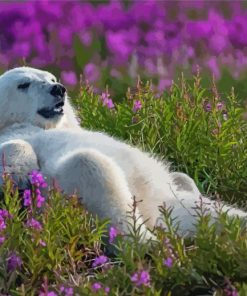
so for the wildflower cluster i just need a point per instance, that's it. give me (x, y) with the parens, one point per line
(153, 40)
(37, 180)
(106, 100)
(140, 278)
(4, 216)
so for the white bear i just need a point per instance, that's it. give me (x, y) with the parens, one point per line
(39, 130)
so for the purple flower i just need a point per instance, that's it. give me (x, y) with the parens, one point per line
(107, 101)
(27, 198)
(207, 107)
(107, 290)
(67, 291)
(35, 224)
(42, 243)
(113, 233)
(137, 106)
(2, 240)
(48, 294)
(5, 214)
(219, 105)
(96, 287)
(91, 72)
(37, 179)
(141, 278)
(231, 292)
(69, 77)
(13, 262)
(168, 262)
(2, 223)
(40, 198)
(100, 260)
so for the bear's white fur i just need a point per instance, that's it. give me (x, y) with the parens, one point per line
(105, 172)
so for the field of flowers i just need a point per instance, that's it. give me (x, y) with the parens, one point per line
(112, 42)
(49, 244)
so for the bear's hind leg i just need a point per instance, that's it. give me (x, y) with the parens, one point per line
(101, 184)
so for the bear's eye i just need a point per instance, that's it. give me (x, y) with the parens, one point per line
(53, 80)
(24, 85)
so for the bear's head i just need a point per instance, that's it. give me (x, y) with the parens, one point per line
(29, 95)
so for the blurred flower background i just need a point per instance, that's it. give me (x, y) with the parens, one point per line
(112, 42)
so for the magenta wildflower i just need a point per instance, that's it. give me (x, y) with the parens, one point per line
(231, 292)
(168, 262)
(107, 101)
(110, 104)
(207, 107)
(48, 294)
(2, 223)
(69, 77)
(219, 105)
(113, 233)
(42, 243)
(96, 287)
(40, 198)
(35, 224)
(100, 260)
(14, 262)
(137, 106)
(141, 278)
(2, 240)
(37, 179)
(5, 214)
(27, 196)
(67, 291)
(107, 290)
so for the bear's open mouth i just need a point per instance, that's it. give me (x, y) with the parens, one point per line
(57, 110)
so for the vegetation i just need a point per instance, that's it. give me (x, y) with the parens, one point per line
(52, 246)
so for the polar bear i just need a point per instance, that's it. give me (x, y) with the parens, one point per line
(39, 130)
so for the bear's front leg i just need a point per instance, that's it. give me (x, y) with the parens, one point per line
(17, 158)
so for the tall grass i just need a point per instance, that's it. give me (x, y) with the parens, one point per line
(67, 251)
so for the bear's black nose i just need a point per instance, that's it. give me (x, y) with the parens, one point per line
(58, 90)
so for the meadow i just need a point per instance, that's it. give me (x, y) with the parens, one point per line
(167, 78)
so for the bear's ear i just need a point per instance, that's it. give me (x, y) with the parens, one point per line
(184, 183)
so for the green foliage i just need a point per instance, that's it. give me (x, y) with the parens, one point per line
(210, 146)
(215, 260)
(207, 143)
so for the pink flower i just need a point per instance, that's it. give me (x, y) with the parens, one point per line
(2, 239)
(207, 107)
(107, 101)
(42, 243)
(48, 294)
(2, 223)
(137, 106)
(141, 278)
(35, 224)
(69, 77)
(5, 214)
(168, 262)
(37, 179)
(40, 198)
(67, 291)
(96, 287)
(100, 260)
(14, 262)
(219, 105)
(113, 233)
(27, 198)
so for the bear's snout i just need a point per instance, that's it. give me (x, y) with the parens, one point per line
(58, 90)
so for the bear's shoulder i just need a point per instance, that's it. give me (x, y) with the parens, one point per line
(18, 131)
